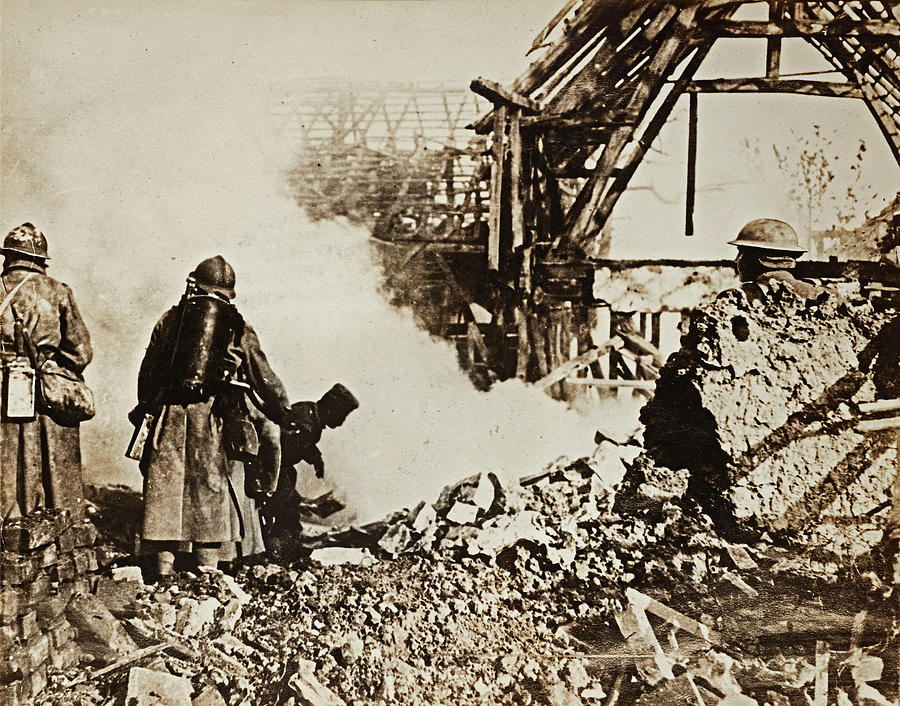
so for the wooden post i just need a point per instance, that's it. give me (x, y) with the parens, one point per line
(649, 134)
(523, 351)
(494, 217)
(773, 44)
(515, 180)
(691, 166)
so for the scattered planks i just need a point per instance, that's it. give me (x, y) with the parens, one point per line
(582, 361)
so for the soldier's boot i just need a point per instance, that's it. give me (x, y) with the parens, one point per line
(165, 563)
(206, 555)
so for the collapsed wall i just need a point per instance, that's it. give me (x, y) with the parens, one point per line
(758, 405)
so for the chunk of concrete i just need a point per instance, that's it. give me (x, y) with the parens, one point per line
(309, 690)
(395, 540)
(195, 617)
(424, 518)
(210, 696)
(98, 630)
(127, 573)
(147, 687)
(332, 556)
(462, 513)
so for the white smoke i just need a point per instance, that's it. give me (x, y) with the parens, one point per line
(141, 152)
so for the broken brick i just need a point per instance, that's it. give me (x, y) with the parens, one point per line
(25, 534)
(147, 687)
(17, 569)
(85, 560)
(62, 658)
(65, 542)
(84, 534)
(97, 627)
(63, 570)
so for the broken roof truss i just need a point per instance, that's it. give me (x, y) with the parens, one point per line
(610, 74)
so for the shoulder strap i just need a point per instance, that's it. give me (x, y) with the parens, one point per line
(9, 297)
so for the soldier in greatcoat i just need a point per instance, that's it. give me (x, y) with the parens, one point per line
(40, 460)
(201, 359)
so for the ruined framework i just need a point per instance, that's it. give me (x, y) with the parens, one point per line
(569, 134)
(512, 218)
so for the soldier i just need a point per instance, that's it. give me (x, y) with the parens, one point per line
(40, 328)
(768, 250)
(201, 359)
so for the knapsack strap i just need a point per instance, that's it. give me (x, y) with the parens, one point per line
(9, 297)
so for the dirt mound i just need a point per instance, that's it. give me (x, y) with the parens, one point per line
(760, 405)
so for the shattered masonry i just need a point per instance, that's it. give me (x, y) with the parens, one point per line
(759, 406)
(46, 561)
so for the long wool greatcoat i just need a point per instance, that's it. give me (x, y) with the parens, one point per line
(192, 492)
(40, 461)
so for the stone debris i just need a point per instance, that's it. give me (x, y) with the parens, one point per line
(758, 407)
(612, 579)
(147, 687)
(39, 575)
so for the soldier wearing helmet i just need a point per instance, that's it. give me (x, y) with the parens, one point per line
(40, 329)
(768, 250)
(201, 360)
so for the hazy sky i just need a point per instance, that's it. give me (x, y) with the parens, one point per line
(135, 134)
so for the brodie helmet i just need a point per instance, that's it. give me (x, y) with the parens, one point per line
(26, 240)
(769, 234)
(215, 275)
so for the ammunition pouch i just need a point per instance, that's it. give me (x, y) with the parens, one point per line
(241, 440)
(239, 435)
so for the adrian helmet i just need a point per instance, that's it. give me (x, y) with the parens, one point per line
(26, 240)
(215, 275)
(769, 234)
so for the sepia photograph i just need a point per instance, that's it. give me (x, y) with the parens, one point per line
(450, 352)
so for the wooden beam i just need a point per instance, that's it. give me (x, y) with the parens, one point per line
(691, 186)
(573, 122)
(575, 364)
(773, 44)
(613, 61)
(516, 181)
(799, 28)
(679, 620)
(828, 89)
(879, 424)
(648, 135)
(642, 344)
(879, 406)
(498, 95)
(495, 204)
(603, 383)
(582, 221)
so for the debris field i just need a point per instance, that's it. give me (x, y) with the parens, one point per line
(633, 576)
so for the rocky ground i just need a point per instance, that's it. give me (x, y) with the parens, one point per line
(561, 590)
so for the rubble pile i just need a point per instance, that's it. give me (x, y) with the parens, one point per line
(46, 560)
(759, 405)
(558, 589)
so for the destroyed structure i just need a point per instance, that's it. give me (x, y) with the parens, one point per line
(732, 553)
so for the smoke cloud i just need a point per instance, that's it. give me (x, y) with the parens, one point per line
(139, 143)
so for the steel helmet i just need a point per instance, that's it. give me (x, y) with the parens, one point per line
(26, 240)
(769, 234)
(214, 274)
